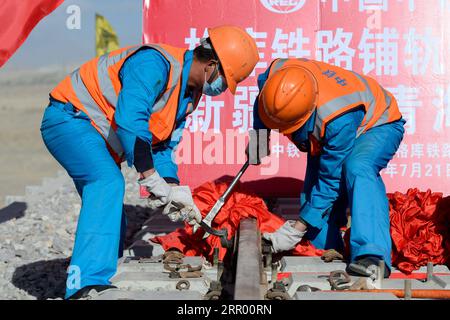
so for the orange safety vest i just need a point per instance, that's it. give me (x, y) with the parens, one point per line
(94, 88)
(340, 91)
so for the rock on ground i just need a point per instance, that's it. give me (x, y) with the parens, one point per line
(35, 249)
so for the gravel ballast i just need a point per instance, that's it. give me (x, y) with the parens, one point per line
(35, 249)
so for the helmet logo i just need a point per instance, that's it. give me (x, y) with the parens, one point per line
(283, 6)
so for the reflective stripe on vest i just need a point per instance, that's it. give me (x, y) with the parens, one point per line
(327, 109)
(108, 92)
(384, 117)
(95, 113)
(104, 62)
(280, 62)
(176, 75)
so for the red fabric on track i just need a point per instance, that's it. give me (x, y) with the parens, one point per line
(239, 206)
(420, 229)
(420, 226)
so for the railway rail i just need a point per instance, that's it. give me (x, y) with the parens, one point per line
(249, 271)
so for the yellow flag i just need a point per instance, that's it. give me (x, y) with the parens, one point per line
(106, 39)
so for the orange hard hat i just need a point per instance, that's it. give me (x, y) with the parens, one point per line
(288, 99)
(237, 53)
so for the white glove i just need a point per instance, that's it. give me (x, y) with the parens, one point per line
(159, 189)
(181, 206)
(285, 238)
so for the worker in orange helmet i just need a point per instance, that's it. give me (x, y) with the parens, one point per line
(350, 128)
(131, 104)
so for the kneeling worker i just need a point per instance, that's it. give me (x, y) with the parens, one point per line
(350, 128)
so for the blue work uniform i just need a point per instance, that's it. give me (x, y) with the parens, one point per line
(346, 174)
(82, 151)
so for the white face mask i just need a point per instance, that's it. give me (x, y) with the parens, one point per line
(216, 87)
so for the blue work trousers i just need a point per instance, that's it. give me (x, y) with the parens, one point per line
(81, 150)
(363, 191)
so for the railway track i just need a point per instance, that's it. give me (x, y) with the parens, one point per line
(250, 279)
(249, 271)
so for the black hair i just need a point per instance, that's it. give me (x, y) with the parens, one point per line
(205, 54)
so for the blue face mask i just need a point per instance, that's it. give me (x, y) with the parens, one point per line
(215, 88)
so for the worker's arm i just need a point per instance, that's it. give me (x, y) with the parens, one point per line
(339, 140)
(143, 76)
(257, 123)
(259, 137)
(164, 157)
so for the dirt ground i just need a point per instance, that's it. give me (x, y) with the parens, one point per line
(24, 159)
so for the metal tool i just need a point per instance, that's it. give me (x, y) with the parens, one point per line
(206, 222)
(278, 292)
(183, 285)
(338, 280)
(307, 288)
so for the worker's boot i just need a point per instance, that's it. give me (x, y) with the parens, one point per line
(366, 266)
(86, 292)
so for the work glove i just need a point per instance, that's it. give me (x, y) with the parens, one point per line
(181, 206)
(159, 190)
(285, 238)
(176, 200)
(258, 146)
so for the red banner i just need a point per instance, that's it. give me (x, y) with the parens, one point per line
(17, 19)
(401, 43)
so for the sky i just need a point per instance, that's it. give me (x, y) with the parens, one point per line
(52, 44)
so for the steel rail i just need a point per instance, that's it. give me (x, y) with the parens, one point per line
(249, 269)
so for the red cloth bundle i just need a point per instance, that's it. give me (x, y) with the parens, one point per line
(420, 226)
(420, 229)
(239, 206)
